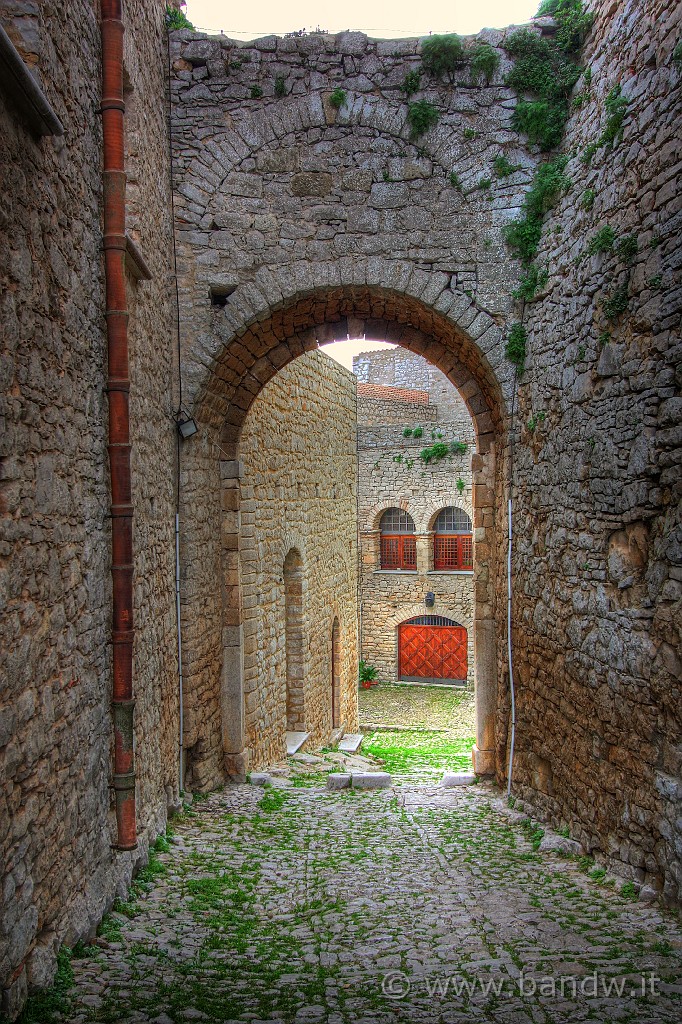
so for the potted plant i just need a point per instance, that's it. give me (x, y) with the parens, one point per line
(368, 676)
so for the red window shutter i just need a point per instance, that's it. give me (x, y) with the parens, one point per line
(398, 552)
(452, 552)
(390, 552)
(467, 552)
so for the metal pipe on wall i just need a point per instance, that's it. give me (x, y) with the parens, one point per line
(118, 386)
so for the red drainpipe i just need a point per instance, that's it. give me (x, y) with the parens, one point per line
(118, 385)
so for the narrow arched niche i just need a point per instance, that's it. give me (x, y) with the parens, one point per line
(294, 641)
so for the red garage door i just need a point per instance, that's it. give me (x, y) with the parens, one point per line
(432, 648)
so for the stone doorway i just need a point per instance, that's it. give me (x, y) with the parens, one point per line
(297, 323)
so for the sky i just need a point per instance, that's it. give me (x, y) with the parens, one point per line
(378, 18)
(343, 351)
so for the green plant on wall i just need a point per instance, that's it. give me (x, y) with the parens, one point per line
(602, 241)
(627, 248)
(587, 201)
(256, 92)
(503, 168)
(573, 22)
(484, 61)
(176, 19)
(280, 87)
(535, 420)
(338, 99)
(421, 116)
(515, 349)
(523, 234)
(532, 281)
(442, 450)
(411, 83)
(442, 55)
(616, 303)
(546, 73)
(460, 485)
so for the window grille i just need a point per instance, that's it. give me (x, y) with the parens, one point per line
(453, 546)
(394, 520)
(452, 520)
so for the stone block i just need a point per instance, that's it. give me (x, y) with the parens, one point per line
(451, 779)
(371, 780)
(560, 844)
(259, 779)
(338, 780)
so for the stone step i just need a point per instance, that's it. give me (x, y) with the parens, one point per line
(457, 779)
(295, 741)
(351, 742)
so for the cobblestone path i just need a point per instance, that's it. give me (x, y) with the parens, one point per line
(413, 904)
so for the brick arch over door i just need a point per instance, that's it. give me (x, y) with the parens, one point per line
(257, 332)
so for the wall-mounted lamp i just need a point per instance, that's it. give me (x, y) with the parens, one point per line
(430, 599)
(186, 426)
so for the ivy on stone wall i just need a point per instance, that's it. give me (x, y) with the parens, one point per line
(544, 73)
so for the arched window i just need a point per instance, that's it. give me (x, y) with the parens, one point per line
(398, 545)
(453, 546)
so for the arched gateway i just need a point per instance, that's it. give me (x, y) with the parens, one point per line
(298, 224)
(212, 469)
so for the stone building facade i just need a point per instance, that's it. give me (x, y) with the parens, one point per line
(57, 826)
(298, 222)
(400, 391)
(299, 558)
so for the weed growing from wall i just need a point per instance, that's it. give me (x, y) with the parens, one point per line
(503, 168)
(515, 349)
(338, 99)
(411, 83)
(484, 62)
(548, 74)
(602, 241)
(175, 19)
(421, 116)
(534, 280)
(523, 235)
(573, 22)
(442, 55)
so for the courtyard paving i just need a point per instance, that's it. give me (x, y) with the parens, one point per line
(291, 903)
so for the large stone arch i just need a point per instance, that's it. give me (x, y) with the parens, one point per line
(266, 273)
(268, 322)
(250, 343)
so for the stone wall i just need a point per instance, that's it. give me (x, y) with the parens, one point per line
(390, 597)
(56, 812)
(401, 369)
(299, 495)
(598, 554)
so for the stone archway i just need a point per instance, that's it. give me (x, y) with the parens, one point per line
(242, 362)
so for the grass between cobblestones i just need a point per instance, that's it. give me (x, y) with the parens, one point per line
(296, 905)
(419, 754)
